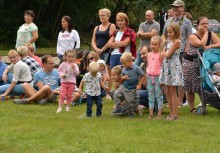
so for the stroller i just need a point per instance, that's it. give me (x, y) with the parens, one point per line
(210, 94)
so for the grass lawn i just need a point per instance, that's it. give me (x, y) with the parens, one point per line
(38, 129)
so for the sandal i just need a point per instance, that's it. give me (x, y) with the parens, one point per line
(172, 118)
(167, 117)
(151, 117)
(193, 110)
(158, 117)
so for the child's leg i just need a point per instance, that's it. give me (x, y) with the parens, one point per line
(118, 97)
(159, 96)
(151, 95)
(89, 106)
(98, 101)
(174, 100)
(63, 92)
(167, 93)
(69, 95)
(129, 100)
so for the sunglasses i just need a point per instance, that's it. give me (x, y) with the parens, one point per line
(91, 58)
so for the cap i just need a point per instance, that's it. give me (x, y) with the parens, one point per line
(178, 3)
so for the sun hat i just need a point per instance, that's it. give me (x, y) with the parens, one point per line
(178, 3)
(100, 61)
(216, 68)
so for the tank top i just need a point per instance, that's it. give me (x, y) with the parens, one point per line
(102, 37)
(154, 63)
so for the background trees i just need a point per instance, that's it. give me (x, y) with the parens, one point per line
(84, 15)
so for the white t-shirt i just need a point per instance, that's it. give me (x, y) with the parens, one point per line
(118, 39)
(67, 41)
(24, 34)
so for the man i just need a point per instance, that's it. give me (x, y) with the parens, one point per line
(46, 80)
(186, 30)
(147, 29)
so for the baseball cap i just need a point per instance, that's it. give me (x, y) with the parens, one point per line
(178, 3)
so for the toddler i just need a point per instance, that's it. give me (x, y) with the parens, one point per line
(216, 75)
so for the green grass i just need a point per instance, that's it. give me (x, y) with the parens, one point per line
(38, 129)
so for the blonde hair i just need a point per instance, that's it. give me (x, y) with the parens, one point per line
(117, 69)
(159, 40)
(105, 10)
(12, 51)
(22, 50)
(123, 16)
(126, 56)
(70, 51)
(93, 67)
(176, 28)
(95, 55)
(29, 46)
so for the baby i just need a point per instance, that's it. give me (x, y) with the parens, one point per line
(216, 74)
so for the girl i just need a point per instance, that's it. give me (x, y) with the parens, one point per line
(103, 71)
(67, 71)
(154, 64)
(171, 74)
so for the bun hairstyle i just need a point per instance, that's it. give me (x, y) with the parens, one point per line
(22, 50)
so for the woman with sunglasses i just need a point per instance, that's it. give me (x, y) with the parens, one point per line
(22, 74)
(28, 32)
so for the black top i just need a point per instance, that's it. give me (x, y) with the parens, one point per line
(102, 37)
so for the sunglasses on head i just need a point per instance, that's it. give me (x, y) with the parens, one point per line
(91, 58)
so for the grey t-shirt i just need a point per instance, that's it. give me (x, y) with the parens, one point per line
(21, 70)
(148, 27)
(185, 28)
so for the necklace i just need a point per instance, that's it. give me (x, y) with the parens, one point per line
(180, 23)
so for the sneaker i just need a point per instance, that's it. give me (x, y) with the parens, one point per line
(117, 111)
(42, 101)
(59, 110)
(67, 109)
(20, 101)
(186, 103)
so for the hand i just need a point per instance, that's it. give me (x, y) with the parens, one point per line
(207, 47)
(73, 65)
(63, 76)
(80, 91)
(138, 87)
(1, 96)
(99, 51)
(4, 77)
(107, 89)
(125, 77)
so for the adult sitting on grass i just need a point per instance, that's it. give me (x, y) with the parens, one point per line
(3, 66)
(46, 80)
(33, 65)
(21, 75)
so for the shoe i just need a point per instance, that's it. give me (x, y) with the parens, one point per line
(20, 101)
(52, 99)
(59, 110)
(117, 111)
(171, 118)
(200, 104)
(42, 101)
(186, 103)
(67, 109)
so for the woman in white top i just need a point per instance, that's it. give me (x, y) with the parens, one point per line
(28, 32)
(68, 38)
(21, 75)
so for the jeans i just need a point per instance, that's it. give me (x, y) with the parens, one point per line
(138, 60)
(115, 60)
(143, 97)
(98, 102)
(16, 91)
(60, 58)
(104, 56)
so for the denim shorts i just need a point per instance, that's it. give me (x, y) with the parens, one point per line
(115, 60)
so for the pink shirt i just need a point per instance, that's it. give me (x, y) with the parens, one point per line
(66, 69)
(38, 60)
(154, 63)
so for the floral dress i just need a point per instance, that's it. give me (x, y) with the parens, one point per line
(171, 72)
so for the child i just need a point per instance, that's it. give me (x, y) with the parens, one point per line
(93, 89)
(105, 75)
(68, 71)
(127, 90)
(31, 53)
(216, 75)
(171, 73)
(154, 64)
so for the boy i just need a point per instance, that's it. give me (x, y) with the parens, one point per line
(127, 90)
(94, 83)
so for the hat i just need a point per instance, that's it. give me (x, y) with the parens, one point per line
(216, 68)
(100, 61)
(178, 3)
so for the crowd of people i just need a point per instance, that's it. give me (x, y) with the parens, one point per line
(161, 68)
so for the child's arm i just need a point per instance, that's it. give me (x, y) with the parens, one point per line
(60, 71)
(103, 86)
(173, 48)
(75, 69)
(80, 87)
(140, 82)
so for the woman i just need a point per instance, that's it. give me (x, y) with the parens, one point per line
(21, 75)
(122, 40)
(68, 38)
(101, 34)
(28, 32)
(190, 67)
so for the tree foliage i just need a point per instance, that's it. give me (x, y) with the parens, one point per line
(84, 14)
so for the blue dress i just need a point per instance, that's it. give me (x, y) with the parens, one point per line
(171, 72)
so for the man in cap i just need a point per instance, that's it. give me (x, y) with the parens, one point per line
(178, 7)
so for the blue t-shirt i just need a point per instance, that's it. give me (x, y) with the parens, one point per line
(133, 72)
(2, 68)
(51, 79)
